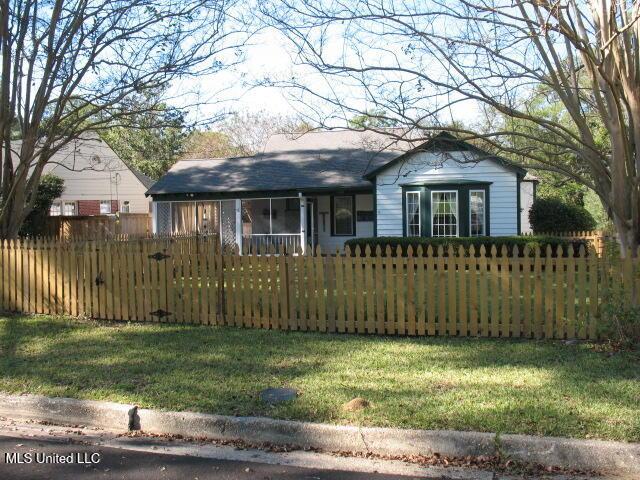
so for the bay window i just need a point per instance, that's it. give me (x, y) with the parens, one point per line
(446, 209)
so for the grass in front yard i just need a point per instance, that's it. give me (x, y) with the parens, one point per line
(509, 386)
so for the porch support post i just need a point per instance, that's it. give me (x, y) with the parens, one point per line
(303, 223)
(154, 218)
(239, 224)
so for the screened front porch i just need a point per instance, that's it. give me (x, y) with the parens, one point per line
(258, 224)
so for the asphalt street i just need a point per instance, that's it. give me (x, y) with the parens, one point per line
(116, 463)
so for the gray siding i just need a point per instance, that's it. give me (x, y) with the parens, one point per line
(92, 171)
(428, 166)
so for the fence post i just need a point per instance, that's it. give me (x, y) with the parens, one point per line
(594, 294)
(516, 321)
(473, 292)
(495, 295)
(505, 291)
(369, 280)
(560, 294)
(571, 293)
(442, 309)
(379, 291)
(452, 315)
(538, 307)
(484, 296)
(389, 290)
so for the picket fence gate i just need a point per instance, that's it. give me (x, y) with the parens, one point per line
(191, 280)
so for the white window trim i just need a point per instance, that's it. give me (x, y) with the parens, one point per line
(75, 208)
(60, 209)
(353, 213)
(108, 202)
(457, 212)
(406, 207)
(484, 212)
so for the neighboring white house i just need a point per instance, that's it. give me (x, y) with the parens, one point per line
(323, 188)
(96, 180)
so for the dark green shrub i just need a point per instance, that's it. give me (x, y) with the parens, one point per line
(531, 241)
(50, 188)
(554, 215)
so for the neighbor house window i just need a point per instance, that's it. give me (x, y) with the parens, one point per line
(55, 210)
(343, 215)
(413, 214)
(477, 219)
(125, 207)
(69, 208)
(444, 214)
(105, 206)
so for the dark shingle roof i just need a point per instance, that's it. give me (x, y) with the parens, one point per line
(315, 160)
(335, 159)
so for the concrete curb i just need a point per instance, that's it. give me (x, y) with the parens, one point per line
(601, 456)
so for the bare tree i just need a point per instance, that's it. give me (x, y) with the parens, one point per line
(69, 66)
(421, 62)
(249, 131)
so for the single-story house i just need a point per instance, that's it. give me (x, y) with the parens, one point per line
(323, 188)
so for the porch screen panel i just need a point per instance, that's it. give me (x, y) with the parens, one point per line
(256, 217)
(209, 218)
(285, 216)
(163, 217)
(228, 221)
(183, 216)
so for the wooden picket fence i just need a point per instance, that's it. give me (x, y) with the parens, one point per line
(98, 226)
(597, 238)
(190, 280)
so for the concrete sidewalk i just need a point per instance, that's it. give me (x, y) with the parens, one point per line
(601, 456)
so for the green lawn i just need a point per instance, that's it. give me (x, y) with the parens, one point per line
(545, 388)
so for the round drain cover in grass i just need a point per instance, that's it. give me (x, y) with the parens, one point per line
(278, 395)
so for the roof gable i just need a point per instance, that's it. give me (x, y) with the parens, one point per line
(444, 141)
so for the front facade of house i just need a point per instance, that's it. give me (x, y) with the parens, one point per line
(323, 188)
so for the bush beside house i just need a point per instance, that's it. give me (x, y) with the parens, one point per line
(553, 214)
(50, 188)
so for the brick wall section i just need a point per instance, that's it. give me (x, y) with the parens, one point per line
(88, 207)
(92, 207)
